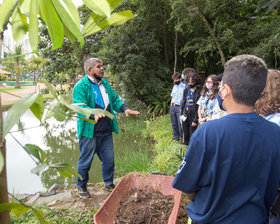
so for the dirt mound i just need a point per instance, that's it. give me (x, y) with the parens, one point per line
(145, 206)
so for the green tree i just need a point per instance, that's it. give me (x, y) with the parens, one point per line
(35, 63)
(15, 63)
(140, 57)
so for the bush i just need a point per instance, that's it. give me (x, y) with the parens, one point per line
(44, 91)
(61, 91)
(167, 153)
(4, 77)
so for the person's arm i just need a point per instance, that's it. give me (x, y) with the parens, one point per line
(199, 113)
(194, 171)
(129, 111)
(183, 101)
(120, 106)
(197, 97)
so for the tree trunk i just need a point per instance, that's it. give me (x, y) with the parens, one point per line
(165, 44)
(1, 45)
(17, 85)
(4, 216)
(175, 50)
(212, 33)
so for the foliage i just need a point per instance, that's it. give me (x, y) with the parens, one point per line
(4, 77)
(166, 152)
(44, 91)
(61, 17)
(136, 53)
(136, 154)
(34, 65)
(139, 54)
(61, 215)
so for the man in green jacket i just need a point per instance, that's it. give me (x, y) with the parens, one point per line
(96, 92)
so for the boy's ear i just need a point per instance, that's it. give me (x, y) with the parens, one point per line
(227, 91)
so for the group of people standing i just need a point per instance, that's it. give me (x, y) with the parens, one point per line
(191, 104)
(231, 170)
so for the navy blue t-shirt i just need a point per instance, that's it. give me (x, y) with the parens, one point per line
(233, 164)
(189, 99)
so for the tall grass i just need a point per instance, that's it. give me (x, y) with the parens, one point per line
(147, 147)
(135, 150)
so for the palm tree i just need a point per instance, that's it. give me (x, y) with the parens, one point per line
(18, 67)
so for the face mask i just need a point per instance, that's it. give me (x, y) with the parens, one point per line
(220, 100)
(209, 85)
(182, 76)
(177, 83)
(97, 77)
(192, 86)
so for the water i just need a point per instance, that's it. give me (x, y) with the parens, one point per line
(59, 141)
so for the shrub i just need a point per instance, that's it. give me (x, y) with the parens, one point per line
(44, 91)
(4, 77)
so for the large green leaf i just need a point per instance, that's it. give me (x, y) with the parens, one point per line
(33, 25)
(87, 111)
(53, 22)
(88, 120)
(78, 109)
(69, 16)
(91, 22)
(19, 25)
(2, 161)
(114, 3)
(100, 7)
(38, 169)
(25, 6)
(17, 110)
(18, 208)
(66, 170)
(5, 8)
(50, 88)
(58, 114)
(117, 18)
(36, 151)
(49, 111)
(40, 217)
(69, 34)
(37, 107)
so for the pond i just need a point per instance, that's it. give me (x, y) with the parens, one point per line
(59, 141)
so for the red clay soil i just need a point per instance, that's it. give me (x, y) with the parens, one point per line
(145, 207)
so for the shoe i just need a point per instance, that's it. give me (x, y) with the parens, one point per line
(110, 187)
(83, 192)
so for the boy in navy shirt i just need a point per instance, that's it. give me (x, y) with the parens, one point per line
(231, 169)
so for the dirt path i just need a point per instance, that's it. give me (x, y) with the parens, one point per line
(22, 92)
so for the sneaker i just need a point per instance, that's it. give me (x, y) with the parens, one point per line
(110, 187)
(83, 192)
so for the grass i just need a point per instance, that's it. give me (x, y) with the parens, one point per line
(147, 147)
(61, 215)
(12, 89)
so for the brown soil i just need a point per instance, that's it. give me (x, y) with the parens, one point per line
(145, 207)
(182, 217)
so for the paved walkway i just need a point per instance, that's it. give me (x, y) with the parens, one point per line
(22, 92)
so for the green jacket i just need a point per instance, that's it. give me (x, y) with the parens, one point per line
(83, 93)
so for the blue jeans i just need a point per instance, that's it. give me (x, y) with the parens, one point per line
(175, 121)
(103, 147)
